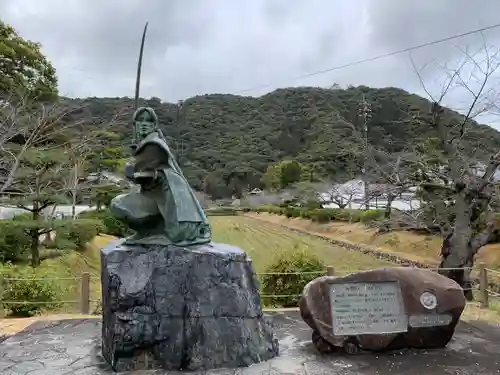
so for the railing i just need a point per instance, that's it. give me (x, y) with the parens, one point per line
(84, 300)
(483, 287)
(485, 291)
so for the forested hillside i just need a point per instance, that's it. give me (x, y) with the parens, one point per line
(217, 137)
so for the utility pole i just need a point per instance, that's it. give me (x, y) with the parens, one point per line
(365, 111)
(179, 142)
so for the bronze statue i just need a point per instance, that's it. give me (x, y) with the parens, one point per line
(166, 210)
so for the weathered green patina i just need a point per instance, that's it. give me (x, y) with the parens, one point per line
(165, 210)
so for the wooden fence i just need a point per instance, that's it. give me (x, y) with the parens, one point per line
(484, 293)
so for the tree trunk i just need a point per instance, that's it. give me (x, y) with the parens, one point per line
(388, 207)
(35, 254)
(73, 206)
(457, 253)
(456, 268)
(35, 240)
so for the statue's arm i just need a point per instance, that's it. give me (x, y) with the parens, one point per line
(130, 171)
(148, 166)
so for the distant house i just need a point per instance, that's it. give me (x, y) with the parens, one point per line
(479, 168)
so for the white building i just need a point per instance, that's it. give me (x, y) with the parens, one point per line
(8, 212)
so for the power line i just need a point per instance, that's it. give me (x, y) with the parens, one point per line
(377, 57)
(98, 75)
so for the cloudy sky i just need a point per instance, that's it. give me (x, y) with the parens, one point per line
(245, 46)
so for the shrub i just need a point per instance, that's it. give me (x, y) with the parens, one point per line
(305, 214)
(321, 215)
(110, 225)
(76, 233)
(30, 285)
(324, 215)
(14, 241)
(98, 215)
(291, 285)
(313, 205)
(114, 227)
(392, 240)
(222, 211)
(370, 216)
(352, 216)
(271, 209)
(292, 212)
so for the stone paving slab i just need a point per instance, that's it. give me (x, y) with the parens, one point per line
(71, 347)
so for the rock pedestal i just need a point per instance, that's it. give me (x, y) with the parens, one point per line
(181, 309)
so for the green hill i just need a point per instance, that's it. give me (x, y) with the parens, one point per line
(219, 136)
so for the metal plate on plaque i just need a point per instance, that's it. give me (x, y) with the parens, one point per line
(430, 320)
(367, 308)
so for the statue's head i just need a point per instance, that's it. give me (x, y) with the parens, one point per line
(145, 122)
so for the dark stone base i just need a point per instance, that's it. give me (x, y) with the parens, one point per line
(182, 309)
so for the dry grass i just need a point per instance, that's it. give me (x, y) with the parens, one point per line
(474, 313)
(406, 244)
(74, 264)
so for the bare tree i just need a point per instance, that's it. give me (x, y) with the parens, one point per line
(79, 156)
(394, 180)
(24, 125)
(459, 195)
(389, 174)
(37, 156)
(343, 194)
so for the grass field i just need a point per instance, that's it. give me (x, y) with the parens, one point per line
(262, 241)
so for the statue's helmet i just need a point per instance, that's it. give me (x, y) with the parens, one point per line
(145, 122)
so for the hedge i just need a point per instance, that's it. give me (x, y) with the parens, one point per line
(324, 215)
(222, 211)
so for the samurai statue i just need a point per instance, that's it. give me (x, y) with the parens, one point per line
(165, 210)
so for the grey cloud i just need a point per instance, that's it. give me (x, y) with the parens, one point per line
(207, 46)
(104, 35)
(399, 24)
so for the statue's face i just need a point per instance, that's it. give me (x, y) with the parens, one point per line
(144, 124)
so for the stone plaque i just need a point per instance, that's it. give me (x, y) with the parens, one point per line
(367, 308)
(430, 320)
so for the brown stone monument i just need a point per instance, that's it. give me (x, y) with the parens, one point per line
(382, 309)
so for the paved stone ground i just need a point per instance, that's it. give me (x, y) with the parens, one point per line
(70, 347)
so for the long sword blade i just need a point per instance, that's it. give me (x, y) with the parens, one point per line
(139, 68)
